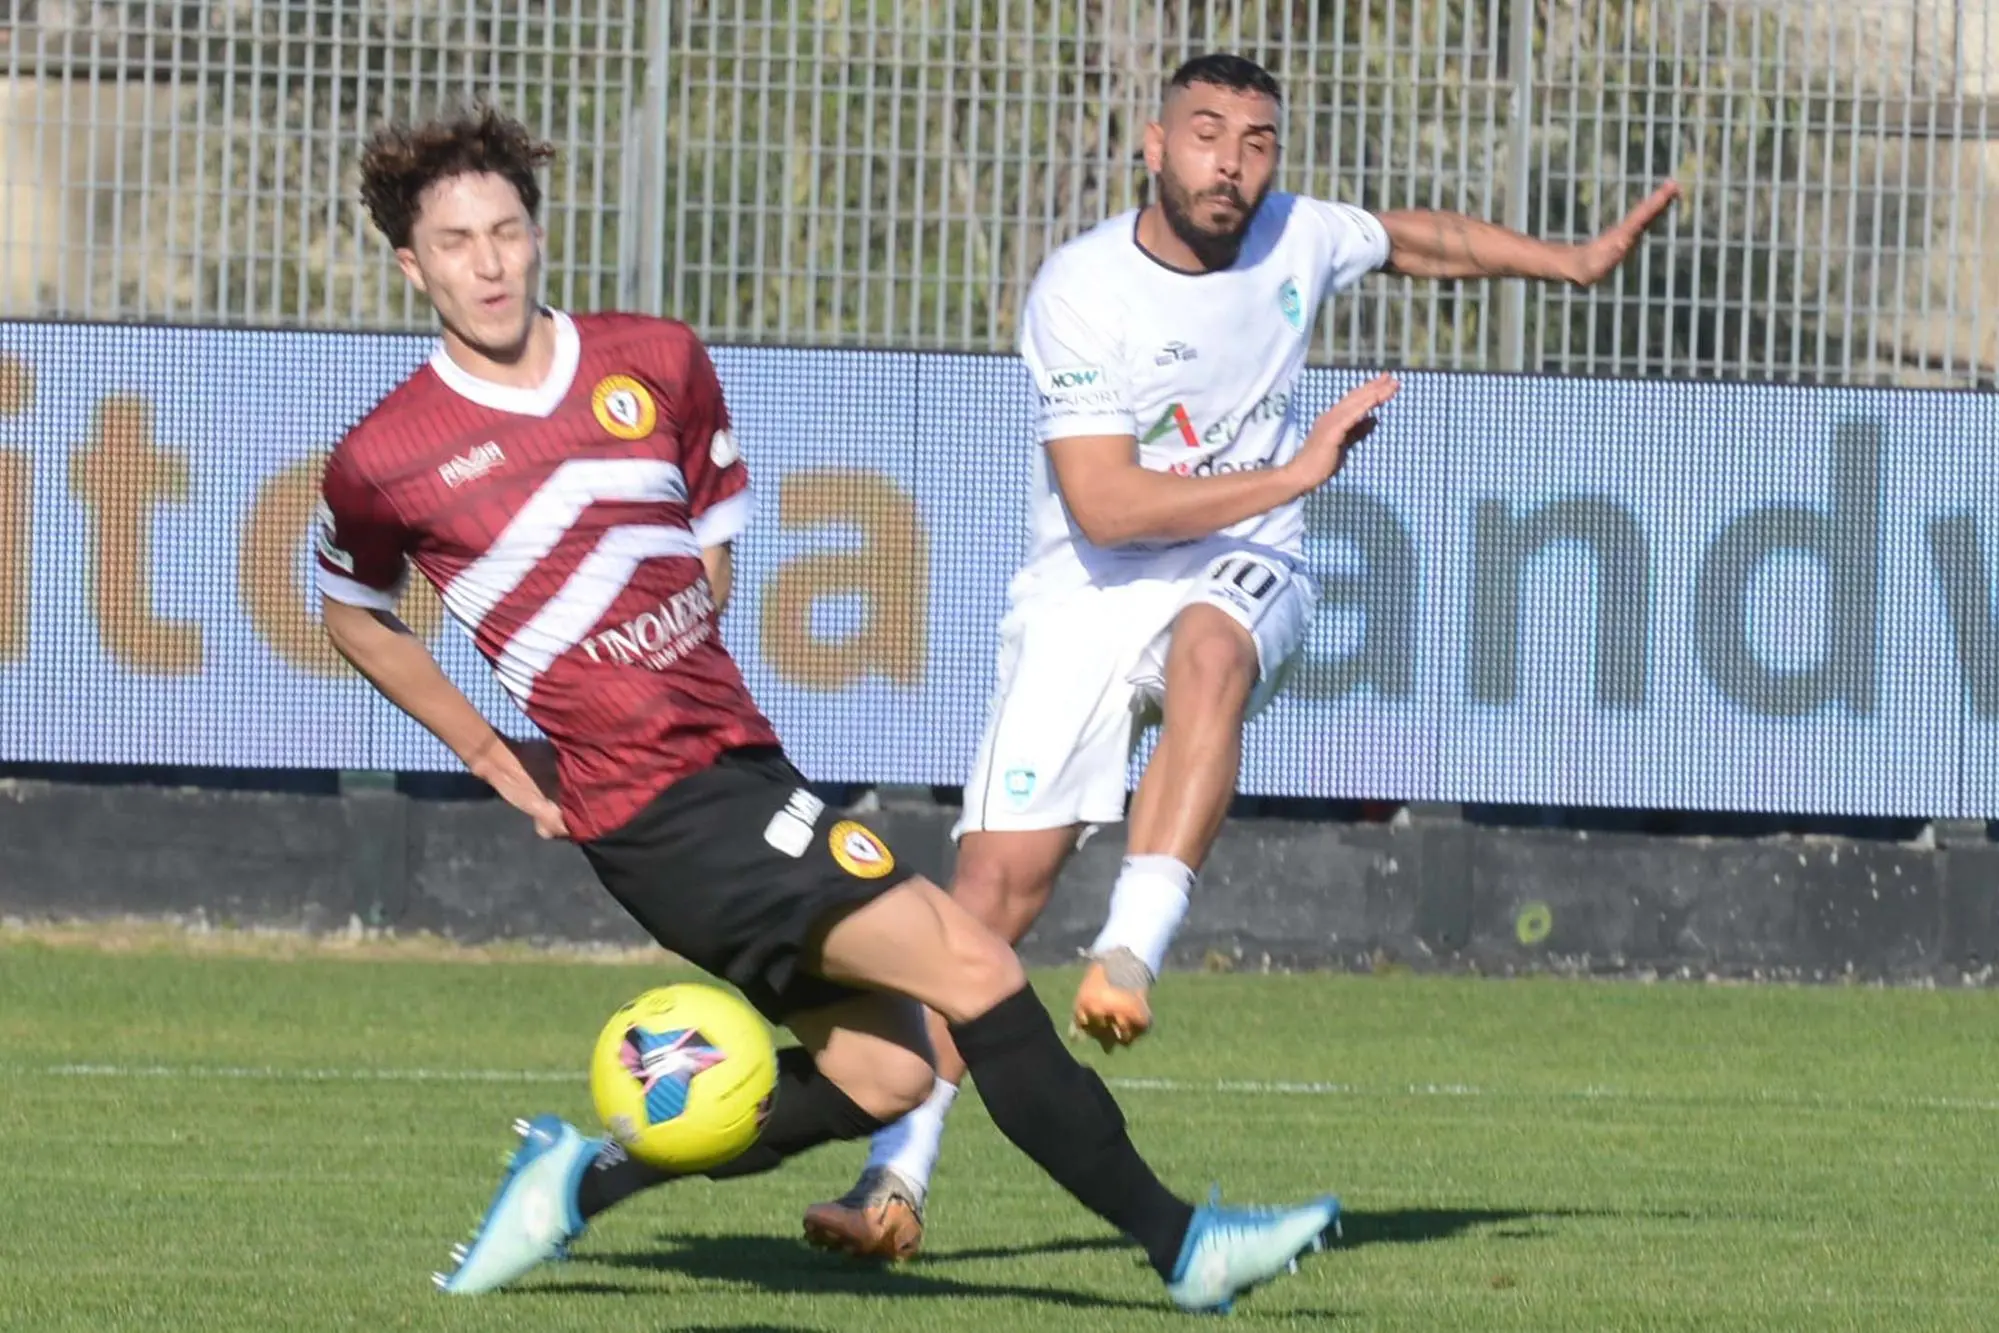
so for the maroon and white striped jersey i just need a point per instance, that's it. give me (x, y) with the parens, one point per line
(563, 527)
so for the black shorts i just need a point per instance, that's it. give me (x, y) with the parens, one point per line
(734, 868)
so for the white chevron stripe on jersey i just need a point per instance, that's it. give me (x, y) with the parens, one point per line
(549, 513)
(583, 599)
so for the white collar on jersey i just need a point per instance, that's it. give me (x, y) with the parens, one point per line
(539, 401)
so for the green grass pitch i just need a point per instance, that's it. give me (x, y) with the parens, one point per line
(220, 1143)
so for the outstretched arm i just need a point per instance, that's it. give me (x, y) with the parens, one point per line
(1429, 243)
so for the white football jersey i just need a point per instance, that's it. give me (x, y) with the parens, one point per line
(1199, 367)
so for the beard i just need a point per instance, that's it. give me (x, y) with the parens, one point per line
(1216, 248)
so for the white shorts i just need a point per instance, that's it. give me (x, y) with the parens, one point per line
(1080, 677)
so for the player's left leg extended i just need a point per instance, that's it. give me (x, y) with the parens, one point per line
(859, 1065)
(1224, 658)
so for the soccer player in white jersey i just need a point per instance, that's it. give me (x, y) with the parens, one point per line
(1166, 575)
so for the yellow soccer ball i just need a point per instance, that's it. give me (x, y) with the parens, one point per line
(683, 1075)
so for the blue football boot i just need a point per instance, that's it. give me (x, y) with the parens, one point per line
(1230, 1250)
(533, 1215)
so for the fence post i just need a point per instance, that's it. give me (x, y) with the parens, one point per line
(652, 163)
(1520, 138)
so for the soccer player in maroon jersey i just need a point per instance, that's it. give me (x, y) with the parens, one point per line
(571, 487)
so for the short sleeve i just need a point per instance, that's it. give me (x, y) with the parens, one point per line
(361, 543)
(718, 480)
(1357, 243)
(1069, 341)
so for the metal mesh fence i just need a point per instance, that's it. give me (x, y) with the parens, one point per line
(890, 172)
(196, 163)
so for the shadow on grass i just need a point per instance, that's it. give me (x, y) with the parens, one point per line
(1421, 1226)
(783, 1265)
(1400, 1226)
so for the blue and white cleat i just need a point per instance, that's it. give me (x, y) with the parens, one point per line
(1230, 1250)
(533, 1215)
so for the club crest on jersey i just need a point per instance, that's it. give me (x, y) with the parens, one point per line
(859, 852)
(1291, 304)
(623, 407)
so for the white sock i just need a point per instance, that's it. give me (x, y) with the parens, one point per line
(909, 1146)
(1147, 906)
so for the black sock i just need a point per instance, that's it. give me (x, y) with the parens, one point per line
(810, 1110)
(614, 1177)
(1060, 1114)
(806, 1111)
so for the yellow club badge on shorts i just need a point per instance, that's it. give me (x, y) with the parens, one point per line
(859, 852)
(624, 407)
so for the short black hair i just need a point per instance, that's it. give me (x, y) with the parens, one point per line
(1238, 74)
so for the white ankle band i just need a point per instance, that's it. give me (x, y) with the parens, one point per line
(1147, 906)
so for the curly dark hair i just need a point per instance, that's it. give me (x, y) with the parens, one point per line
(402, 161)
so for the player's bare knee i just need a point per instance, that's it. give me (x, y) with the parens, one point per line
(981, 887)
(898, 1081)
(1004, 897)
(987, 971)
(1216, 663)
(888, 1083)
